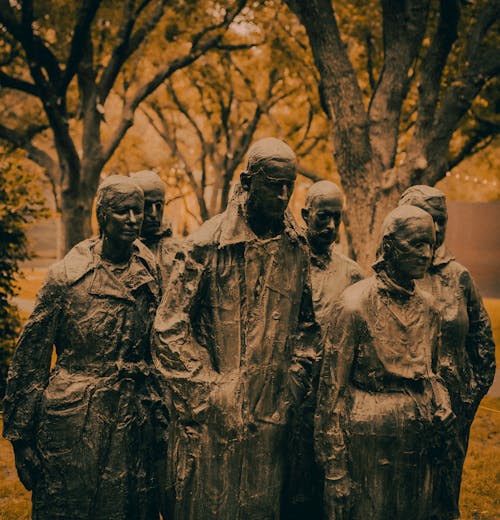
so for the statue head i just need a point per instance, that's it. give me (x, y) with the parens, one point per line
(269, 179)
(154, 201)
(431, 200)
(119, 208)
(322, 213)
(406, 244)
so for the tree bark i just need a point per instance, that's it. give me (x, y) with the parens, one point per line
(366, 141)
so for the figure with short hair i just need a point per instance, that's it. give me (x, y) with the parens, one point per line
(83, 432)
(235, 337)
(382, 406)
(156, 233)
(467, 360)
(331, 273)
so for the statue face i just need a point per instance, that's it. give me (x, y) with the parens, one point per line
(270, 190)
(440, 217)
(410, 250)
(323, 219)
(154, 202)
(123, 217)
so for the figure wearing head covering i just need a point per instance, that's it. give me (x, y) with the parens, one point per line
(331, 273)
(156, 233)
(467, 361)
(83, 433)
(235, 337)
(381, 406)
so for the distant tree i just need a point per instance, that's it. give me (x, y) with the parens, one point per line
(405, 84)
(62, 61)
(20, 204)
(209, 114)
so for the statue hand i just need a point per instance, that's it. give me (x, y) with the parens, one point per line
(445, 417)
(27, 464)
(336, 497)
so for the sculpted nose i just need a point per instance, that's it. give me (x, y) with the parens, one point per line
(132, 216)
(154, 211)
(284, 193)
(426, 251)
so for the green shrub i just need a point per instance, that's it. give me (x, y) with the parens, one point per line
(21, 203)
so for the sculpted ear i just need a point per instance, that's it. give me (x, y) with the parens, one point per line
(305, 215)
(246, 180)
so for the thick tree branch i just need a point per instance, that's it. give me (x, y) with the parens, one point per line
(474, 144)
(18, 84)
(128, 43)
(81, 32)
(202, 42)
(432, 69)
(339, 88)
(404, 25)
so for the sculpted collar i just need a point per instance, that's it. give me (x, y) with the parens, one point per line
(85, 257)
(442, 256)
(164, 232)
(234, 228)
(389, 286)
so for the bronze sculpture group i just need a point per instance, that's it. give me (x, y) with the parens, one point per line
(249, 372)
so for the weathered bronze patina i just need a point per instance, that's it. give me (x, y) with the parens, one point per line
(331, 273)
(234, 338)
(82, 432)
(467, 358)
(156, 233)
(382, 407)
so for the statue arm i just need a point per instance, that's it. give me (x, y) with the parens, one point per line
(479, 341)
(308, 345)
(330, 442)
(30, 367)
(184, 363)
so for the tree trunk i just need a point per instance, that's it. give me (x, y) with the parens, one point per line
(76, 218)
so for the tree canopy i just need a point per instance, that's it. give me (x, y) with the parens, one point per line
(408, 90)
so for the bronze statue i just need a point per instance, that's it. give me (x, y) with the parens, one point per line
(156, 233)
(331, 273)
(467, 359)
(234, 338)
(382, 407)
(82, 432)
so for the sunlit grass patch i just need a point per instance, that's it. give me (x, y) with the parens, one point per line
(480, 494)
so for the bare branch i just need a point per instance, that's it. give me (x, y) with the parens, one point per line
(127, 44)
(18, 84)
(85, 16)
(370, 50)
(432, 67)
(474, 145)
(201, 43)
(404, 25)
(176, 152)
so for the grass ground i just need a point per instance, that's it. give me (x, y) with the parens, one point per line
(480, 496)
